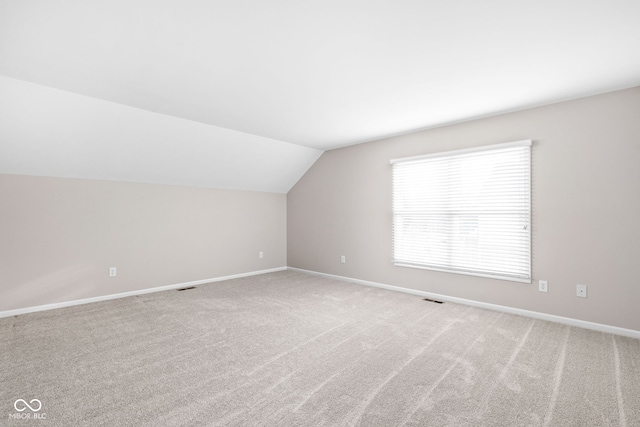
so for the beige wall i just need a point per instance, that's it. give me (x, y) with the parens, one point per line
(586, 209)
(58, 237)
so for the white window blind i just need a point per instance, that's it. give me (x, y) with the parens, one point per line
(465, 211)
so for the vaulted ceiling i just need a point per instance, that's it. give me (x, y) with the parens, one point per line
(247, 94)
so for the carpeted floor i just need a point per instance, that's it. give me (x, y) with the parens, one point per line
(290, 349)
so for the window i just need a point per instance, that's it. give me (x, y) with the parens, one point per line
(465, 211)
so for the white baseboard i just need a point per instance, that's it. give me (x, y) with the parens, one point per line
(9, 313)
(533, 314)
(527, 313)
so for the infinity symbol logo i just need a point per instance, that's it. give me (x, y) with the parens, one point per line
(26, 405)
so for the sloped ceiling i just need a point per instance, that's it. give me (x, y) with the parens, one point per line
(261, 88)
(49, 132)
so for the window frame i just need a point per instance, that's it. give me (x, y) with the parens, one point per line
(452, 268)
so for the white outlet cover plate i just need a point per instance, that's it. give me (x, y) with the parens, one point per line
(581, 291)
(543, 286)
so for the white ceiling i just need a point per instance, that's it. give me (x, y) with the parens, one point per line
(49, 132)
(322, 74)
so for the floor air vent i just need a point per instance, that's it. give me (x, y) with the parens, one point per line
(432, 300)
(186, 289)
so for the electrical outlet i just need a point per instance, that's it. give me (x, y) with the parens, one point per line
(260, 254)
(543, 286)
(581, 291)
(112, 272)
(343, 259)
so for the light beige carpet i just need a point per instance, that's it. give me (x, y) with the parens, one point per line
(290, 349)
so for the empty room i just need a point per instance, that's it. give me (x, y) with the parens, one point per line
(337, 213)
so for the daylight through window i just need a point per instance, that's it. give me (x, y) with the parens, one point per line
(465, 211)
